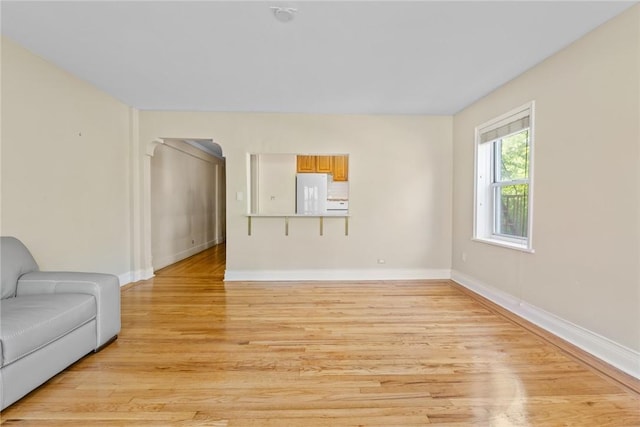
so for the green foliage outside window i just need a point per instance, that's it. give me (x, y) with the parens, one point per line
(512, 156)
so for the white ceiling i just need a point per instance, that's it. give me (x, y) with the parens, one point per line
(395, 57)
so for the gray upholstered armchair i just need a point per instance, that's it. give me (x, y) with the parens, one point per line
(49, 320)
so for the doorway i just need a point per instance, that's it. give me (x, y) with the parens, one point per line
(187, 206)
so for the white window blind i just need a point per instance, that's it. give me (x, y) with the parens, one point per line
(504, 130)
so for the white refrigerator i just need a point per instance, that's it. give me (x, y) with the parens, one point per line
(311, 193)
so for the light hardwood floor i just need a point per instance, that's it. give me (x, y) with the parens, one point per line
(194, 351)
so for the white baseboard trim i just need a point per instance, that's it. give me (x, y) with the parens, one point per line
(179, 256)
(134, 276)
(328, 275)
(617, 355)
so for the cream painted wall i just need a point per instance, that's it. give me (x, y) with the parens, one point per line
(586, 229)
(277, 183)
(400, 190)
(185, 211)
(65, 167)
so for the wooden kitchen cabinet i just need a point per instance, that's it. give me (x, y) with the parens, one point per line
(324, 164)
(306, 164)
(340, 168)
(337, 166)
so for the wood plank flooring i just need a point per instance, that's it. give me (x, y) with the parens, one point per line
(196, 352)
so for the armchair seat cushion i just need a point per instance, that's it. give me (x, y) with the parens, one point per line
(31, 322)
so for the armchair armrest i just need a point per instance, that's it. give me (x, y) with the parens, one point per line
(104, 287)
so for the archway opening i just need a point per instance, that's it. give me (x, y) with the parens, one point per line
(187, 199)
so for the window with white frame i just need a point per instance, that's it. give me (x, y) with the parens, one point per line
(504, 179)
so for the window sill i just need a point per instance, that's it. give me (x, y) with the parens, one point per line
(504, 244)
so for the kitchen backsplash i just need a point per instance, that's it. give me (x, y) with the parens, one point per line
(338, 190)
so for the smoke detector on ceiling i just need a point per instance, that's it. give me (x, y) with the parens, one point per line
(283, 14)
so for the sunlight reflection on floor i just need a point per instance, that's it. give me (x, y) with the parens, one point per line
(509, 396)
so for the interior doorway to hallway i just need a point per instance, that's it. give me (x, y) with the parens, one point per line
(187, 206)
